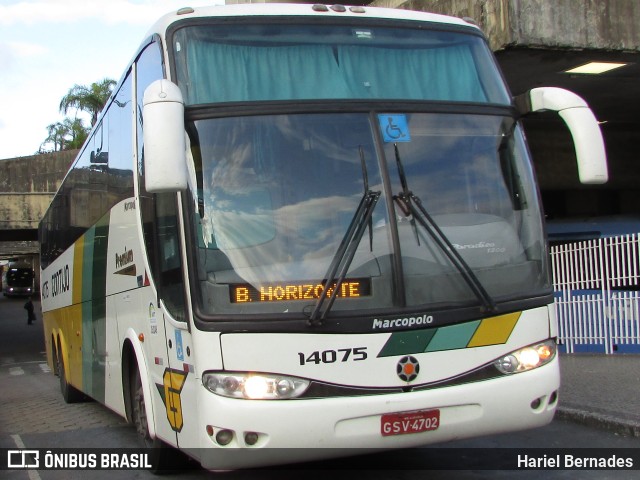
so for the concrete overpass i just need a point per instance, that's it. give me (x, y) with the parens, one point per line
(27, 185)
(535, 41)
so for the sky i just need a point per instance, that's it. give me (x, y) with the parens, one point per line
(48, 46)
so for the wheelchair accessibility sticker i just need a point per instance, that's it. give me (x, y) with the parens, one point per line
(394, 128)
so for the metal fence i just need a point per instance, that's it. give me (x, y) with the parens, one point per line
(596, 284)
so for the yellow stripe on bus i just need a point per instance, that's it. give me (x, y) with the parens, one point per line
(66, 326)
(494, 330)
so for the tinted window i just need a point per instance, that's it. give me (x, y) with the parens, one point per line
(101, 176)
(159, 211)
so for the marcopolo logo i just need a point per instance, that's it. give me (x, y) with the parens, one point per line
(401, 322)
(487, 246)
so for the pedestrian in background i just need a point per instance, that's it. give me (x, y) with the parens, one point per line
(30, 315)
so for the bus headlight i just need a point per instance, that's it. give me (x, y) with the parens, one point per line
(527, 358)
(254, 386)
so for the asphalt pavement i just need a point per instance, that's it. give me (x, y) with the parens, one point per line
(602, 391)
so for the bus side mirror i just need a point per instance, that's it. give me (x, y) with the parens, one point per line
(584, 128)
(165, 166)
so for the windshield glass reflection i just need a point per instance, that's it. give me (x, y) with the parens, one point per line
(275, 198)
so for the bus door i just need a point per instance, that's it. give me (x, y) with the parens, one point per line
(175, 379)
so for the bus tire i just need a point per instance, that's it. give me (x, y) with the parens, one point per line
(69, 392)
(162, 457)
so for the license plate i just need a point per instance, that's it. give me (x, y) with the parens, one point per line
(409, 422)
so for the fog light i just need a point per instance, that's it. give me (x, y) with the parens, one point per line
(251, 438)
(536, 404)
(224, 437)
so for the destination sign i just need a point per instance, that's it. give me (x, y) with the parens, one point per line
(286, 292)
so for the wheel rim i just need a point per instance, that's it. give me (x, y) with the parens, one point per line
(140, 414)
(61, 376)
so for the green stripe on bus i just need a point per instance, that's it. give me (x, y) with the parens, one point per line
(86, 295)
(99, 308)
(78, 262)
(404, 343)
(453, 337)
(94, 290)
(87, 262)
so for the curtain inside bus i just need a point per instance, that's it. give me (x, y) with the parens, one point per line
(241, 73)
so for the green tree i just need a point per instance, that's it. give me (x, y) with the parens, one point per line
(66, 135)
(57, 133)
(71, 133)
(90, 99)
(76, 133)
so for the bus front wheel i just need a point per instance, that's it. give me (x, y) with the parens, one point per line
(162, 457)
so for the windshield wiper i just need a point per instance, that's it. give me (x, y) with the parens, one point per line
(410, 203)
(365, 180)
(343, 257)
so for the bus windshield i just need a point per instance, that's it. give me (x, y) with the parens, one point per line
(20, 277)
(276, 195)
(379, 211)
(234, 62)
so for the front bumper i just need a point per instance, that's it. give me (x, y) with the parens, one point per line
(291, 431)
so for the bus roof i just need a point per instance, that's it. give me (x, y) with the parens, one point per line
(301, 10)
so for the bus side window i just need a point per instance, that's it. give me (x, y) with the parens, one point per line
(167, 255)
(158, 212)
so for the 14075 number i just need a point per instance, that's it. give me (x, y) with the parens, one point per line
(332, 356)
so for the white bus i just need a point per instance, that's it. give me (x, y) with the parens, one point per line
(296, 231)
